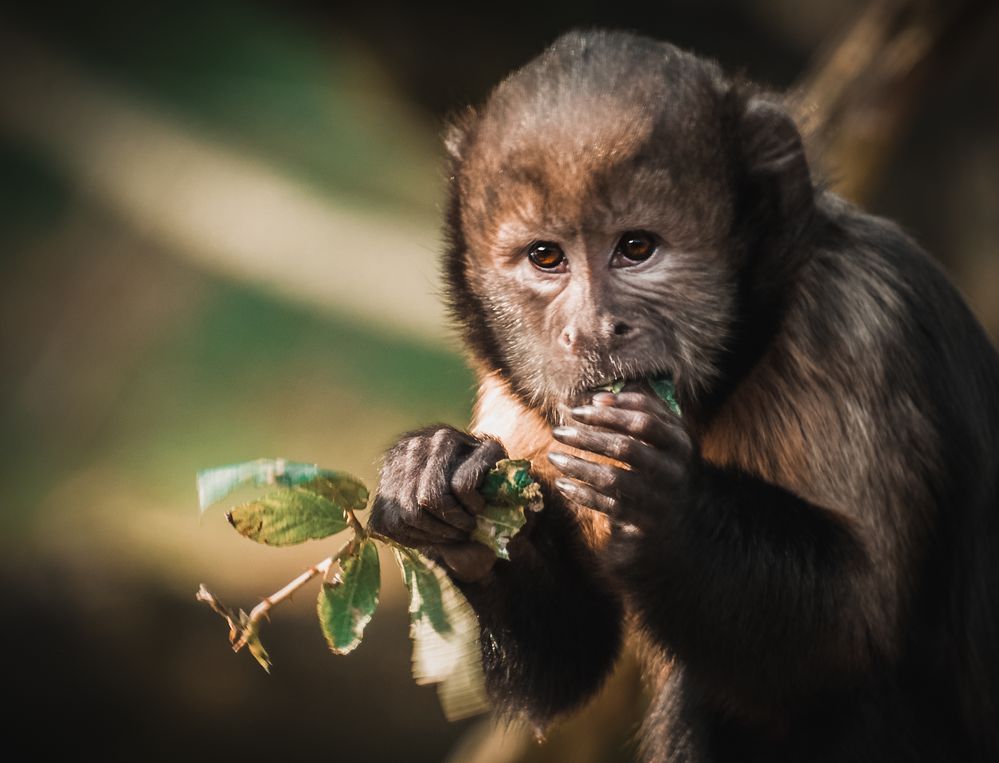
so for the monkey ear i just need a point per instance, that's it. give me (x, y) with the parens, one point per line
(776, 167)
(457, 133)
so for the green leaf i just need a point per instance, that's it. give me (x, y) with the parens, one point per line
(341, 488)
(508, 489)
(346, 606)
(445, 634)
(666, 391)
(288, 517)
(218, 482)
(425, 602)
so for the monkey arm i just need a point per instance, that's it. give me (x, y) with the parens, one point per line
(754, 588)
(550, 628)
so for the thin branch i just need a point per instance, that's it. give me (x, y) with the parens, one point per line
(263, 609)
(244, 628)
(360, 531)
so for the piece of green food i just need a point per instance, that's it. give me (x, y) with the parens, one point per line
(666, 391)
(662, 385)
(346, 605)
(509, 490)
(615, 386)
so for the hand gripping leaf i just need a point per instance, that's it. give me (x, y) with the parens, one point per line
(312, 504)
(508, 490)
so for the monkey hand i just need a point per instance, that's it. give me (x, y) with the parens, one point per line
(639, 431)
(428, 496)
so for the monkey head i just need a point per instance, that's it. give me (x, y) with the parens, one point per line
(597, 216)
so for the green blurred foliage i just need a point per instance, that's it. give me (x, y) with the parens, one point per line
(311, 101)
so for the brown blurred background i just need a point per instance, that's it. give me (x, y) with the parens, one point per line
(218, 232)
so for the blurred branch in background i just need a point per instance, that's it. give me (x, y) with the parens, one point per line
(856, 99)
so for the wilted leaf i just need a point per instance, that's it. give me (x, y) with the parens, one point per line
(288, 517)
(242, 631)
(216, 483)
(250, 635)
(445, 635)
(346, 606)
(508, 490)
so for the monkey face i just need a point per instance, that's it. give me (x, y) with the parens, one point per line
(590, 231)
(573, 307)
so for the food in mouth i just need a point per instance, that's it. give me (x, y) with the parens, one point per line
(661, 385)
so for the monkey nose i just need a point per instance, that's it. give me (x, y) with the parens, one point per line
(571, 338)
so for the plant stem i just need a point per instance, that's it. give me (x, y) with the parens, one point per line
(360, 531)
(263, 609)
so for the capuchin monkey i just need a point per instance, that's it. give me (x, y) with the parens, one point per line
(810, 551)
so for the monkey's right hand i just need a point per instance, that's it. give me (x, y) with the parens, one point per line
(428, 496)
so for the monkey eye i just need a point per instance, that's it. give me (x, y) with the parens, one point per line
(546, 256)
(634, 247)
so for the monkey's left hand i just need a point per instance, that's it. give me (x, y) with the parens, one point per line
(639, 431)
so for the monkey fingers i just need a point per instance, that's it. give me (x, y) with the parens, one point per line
(621, 447)
(584, 495)
(611, 481)
(422, 519)
(470, 562)
(387, 518)
(433, 460)
(636, 415)
(634, 401)
(468, 477)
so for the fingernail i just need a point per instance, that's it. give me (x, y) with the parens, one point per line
(559, 459)
(560, 432)
(564, 485)
(582, 411)
(604, 398)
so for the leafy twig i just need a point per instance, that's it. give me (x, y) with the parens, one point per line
(262, 610)
(244, 629)
(315, 503)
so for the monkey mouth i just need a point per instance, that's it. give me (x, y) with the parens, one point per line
(634, 383)
(657, 383)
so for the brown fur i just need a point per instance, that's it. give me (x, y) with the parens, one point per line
(826, 584)
(526, 434)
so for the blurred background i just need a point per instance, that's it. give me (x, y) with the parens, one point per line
(219, 224)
